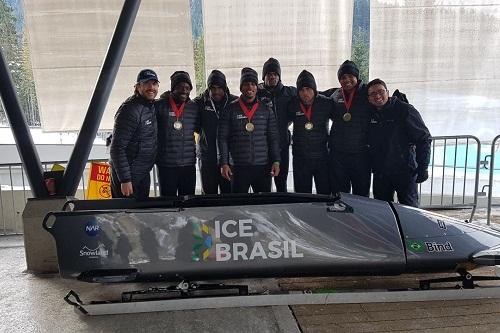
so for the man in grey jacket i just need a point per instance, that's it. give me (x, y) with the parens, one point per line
(248, 131)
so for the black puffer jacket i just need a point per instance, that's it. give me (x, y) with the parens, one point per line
(260, 147)
(311, 144)
(210, 114)
(399, 140)
(176, 148)
(134, 140)
(350, 136)
(279, 99)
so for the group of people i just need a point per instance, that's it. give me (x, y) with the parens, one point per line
(340, 136)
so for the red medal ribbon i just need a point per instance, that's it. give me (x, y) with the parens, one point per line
(351, 98)
(178, 111)
(248, 113)
(306, 111)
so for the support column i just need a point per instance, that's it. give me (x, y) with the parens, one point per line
(99, 99)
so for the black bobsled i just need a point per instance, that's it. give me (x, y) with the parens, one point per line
(260, 235)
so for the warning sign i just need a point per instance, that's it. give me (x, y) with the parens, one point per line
(99, 181)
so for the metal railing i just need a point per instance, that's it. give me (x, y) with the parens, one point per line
(494, 147)
(453, 174)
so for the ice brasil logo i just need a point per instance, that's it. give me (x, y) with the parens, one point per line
(209, 245)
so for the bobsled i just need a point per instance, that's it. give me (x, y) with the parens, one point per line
(260, 235)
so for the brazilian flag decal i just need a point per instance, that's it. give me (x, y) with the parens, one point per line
(416, 246)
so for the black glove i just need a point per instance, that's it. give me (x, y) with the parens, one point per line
(399, 95)
(422, 176)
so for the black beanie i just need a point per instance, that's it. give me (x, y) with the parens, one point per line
(249, 75)
(306, 79)
(348, 67)
(271, 65)
(178, 77)
(218, 78)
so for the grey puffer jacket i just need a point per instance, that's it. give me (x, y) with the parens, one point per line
(134, 141)
(176, 148)
(259, 147)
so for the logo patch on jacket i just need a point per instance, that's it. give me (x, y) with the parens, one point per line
(241, 116)
(148, 122)
(299, 113)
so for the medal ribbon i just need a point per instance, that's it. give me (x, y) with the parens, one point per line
(248, 113)
(351, 98)
(306, 111)
(178, 111)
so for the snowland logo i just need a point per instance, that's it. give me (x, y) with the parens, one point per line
(209, 245)
(99, 251)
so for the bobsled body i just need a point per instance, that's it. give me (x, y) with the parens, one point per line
(271, 235)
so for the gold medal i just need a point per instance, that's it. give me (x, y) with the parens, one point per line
(249, 127)
(309, 126)
(347, 117)
(178, 125)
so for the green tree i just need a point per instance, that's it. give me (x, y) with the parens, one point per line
(199, 64)
(360, 50)
(16, 52)
(360, 54)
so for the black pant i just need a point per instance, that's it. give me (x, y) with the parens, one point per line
(281, 180)
(350, 170)
(304, 170)
(140, 186)
(177, 180)
(403, 184)
(256, 176)
(212, 180)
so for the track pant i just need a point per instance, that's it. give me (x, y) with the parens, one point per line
(305, 170)
(403, 184)
(140, 185)
(256, 176)
(350, 171)
(212, 180)
(281, 181)
(177, 180)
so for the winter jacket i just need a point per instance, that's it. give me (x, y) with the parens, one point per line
(279, 99)
(210, 114)
(176, 148)
(350, 136)
(399, 140)
(259, 147)
(134, 141)
(311, 144)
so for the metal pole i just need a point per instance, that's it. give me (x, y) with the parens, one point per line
(21, 132)
(100, 97)
(490, 188)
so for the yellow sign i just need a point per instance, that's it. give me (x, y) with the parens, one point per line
(99, 186)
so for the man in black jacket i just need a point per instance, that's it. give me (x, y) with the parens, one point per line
(212, 104)
(279, 95)
(248, 132)
(177, 122)
(134, 142)
(400, 146)
(348, 143)
(310, 114)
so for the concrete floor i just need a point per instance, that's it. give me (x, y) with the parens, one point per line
(34, 303)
